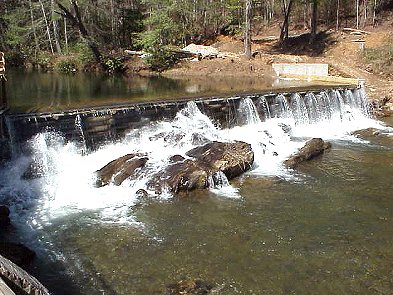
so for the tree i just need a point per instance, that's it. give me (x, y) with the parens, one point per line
(313, 30)
(247, 31)
(286, 6)
(76, 21)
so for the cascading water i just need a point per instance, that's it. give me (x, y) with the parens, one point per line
(64, 173)
(54, 186)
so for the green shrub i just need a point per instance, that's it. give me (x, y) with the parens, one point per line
(66, 64)
(83, 53)
(161, 59)
(114, 64)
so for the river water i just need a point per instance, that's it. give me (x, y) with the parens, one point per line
(324, 228)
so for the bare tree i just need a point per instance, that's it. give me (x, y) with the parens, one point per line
(314, 15)
(47, 26)
(76, 21)
(286, 6)
(247, 33)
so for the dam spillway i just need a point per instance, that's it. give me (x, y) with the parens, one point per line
(96, 126)
(291, 216)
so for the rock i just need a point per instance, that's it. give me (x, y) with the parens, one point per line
(120, 169)
(195, 287)
(4, 216)
(376, 136)
(310, 150)
(176, 158)
(231, 158)
(366, 133)
(17, 253)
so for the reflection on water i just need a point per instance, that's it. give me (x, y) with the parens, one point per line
(41, 92)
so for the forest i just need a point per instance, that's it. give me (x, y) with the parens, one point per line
(77, 33)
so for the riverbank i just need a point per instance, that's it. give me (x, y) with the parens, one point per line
(347, 54)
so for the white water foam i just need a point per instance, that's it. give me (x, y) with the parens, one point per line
(66, 185)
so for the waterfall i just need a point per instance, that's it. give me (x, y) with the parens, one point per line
(247, 112)
(299, 109)
(264, 106)
(275, 126)
(79, 128)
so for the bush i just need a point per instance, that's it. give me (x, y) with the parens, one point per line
(114, 64)
(66, 64)
(83, 53)
(161, 59)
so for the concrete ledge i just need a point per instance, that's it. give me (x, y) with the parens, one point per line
(301, 69)
(329, 79)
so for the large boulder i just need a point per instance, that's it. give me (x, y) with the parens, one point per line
(120, 169)
(312, 148)
(232, 159)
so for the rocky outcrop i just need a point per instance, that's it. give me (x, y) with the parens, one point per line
(120, 169)
(183, 174)
(376, 136)
(232, 159)
(4, 216)
(310, 150)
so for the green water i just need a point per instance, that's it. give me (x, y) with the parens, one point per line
(43, 92)
(329, 231)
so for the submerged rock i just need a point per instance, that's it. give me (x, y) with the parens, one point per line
(312, 148)
(195, 287)
(232, 159)
(366, 133)
(120, 169)
(381, 137)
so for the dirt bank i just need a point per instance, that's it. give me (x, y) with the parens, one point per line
(340, 50)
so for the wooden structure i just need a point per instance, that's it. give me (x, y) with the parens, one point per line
(19, 279)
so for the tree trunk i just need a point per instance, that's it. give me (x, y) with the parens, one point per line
(55, 28)
(357, 14)
(247, 33)
(337, 14)
(36, 44)
(374, 12)
(65, 35)
(47, 26)
(286, 9)
(313, 31)
(76, 21)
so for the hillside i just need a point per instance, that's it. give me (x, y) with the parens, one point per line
(339, 49)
